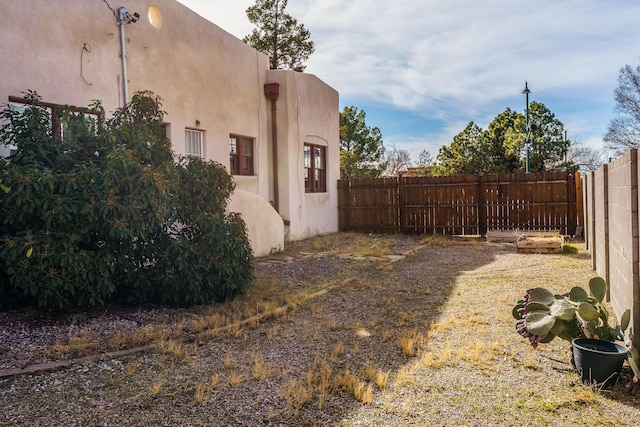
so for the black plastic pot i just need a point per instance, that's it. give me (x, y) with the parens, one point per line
(598, 361)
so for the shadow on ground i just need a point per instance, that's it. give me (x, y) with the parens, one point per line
(299, 370)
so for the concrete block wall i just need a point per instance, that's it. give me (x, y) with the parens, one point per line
(611, 217)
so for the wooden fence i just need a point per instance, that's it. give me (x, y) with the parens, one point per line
(461, 205)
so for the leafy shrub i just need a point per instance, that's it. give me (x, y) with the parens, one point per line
(105, 213)
(208, 257)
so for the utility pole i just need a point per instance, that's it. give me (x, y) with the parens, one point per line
(527, 141)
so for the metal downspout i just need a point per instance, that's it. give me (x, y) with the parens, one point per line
(125, 18)
(122, 13)
(272, 91)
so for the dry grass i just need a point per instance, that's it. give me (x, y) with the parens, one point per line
(381, 379)
(342, 243)
(296, 395)
(157, 387)
(229, 361)
(263, 301)
(426, 340)
(338, 349)
(201, 393)
(411, 343)
(236, 378)
(261, 370)
(214, 381)
(87, 342)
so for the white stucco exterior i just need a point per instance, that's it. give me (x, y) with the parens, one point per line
(69, 52)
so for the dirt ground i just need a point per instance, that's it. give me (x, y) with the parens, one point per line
(379, 331)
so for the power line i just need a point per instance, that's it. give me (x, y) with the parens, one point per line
(111, 9)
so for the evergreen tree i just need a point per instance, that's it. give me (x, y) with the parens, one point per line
(425, 163)
(279, 35)
(361, 147)
(501, 148)
(504, 143)
(467, 154)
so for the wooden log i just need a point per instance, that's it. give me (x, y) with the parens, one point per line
(541, 244)
(510, 236)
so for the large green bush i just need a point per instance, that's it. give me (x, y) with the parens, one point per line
(106, 213)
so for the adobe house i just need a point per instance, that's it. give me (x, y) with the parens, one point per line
(276, 131)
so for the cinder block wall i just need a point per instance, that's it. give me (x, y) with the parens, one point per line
(611, 198)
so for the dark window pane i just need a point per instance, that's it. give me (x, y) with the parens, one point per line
(314, 168)
(241, 155)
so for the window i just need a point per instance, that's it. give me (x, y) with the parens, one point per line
(73, 124)
(315, 169)
(194, 143)
(57, 112)
(9, 150)
(62, 119)
(240, 155)
(165, 131)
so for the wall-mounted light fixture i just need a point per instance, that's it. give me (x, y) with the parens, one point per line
(155, 17)
(123, 17)
(197, 123)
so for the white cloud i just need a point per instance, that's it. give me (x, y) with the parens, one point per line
(463, 60)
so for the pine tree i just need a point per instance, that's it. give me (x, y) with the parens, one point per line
(278, 35)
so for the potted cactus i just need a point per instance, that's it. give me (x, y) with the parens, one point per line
(581, 318)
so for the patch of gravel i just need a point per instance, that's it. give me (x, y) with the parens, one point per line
(469, 367)
(27, 336)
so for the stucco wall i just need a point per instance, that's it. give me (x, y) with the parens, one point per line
(264, 226)
(69, 52)
(301, 121)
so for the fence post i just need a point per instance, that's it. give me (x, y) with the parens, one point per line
(482, 209)
(347, 221)
(571, 205)
(401, 200)
(607, 260)
(579, 203)
(586, 203)
(592, 223)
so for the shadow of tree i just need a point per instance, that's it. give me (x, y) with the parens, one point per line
(360, 325)
(303, 369)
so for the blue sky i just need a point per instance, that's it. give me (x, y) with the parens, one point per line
(421, 70)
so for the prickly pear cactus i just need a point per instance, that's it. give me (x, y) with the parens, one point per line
(541, 315)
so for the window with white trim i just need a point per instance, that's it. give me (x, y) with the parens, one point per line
(194, 143)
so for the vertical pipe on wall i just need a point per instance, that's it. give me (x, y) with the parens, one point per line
(272, 91)
(122, 13)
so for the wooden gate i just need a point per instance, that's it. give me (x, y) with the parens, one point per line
(460, 205)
